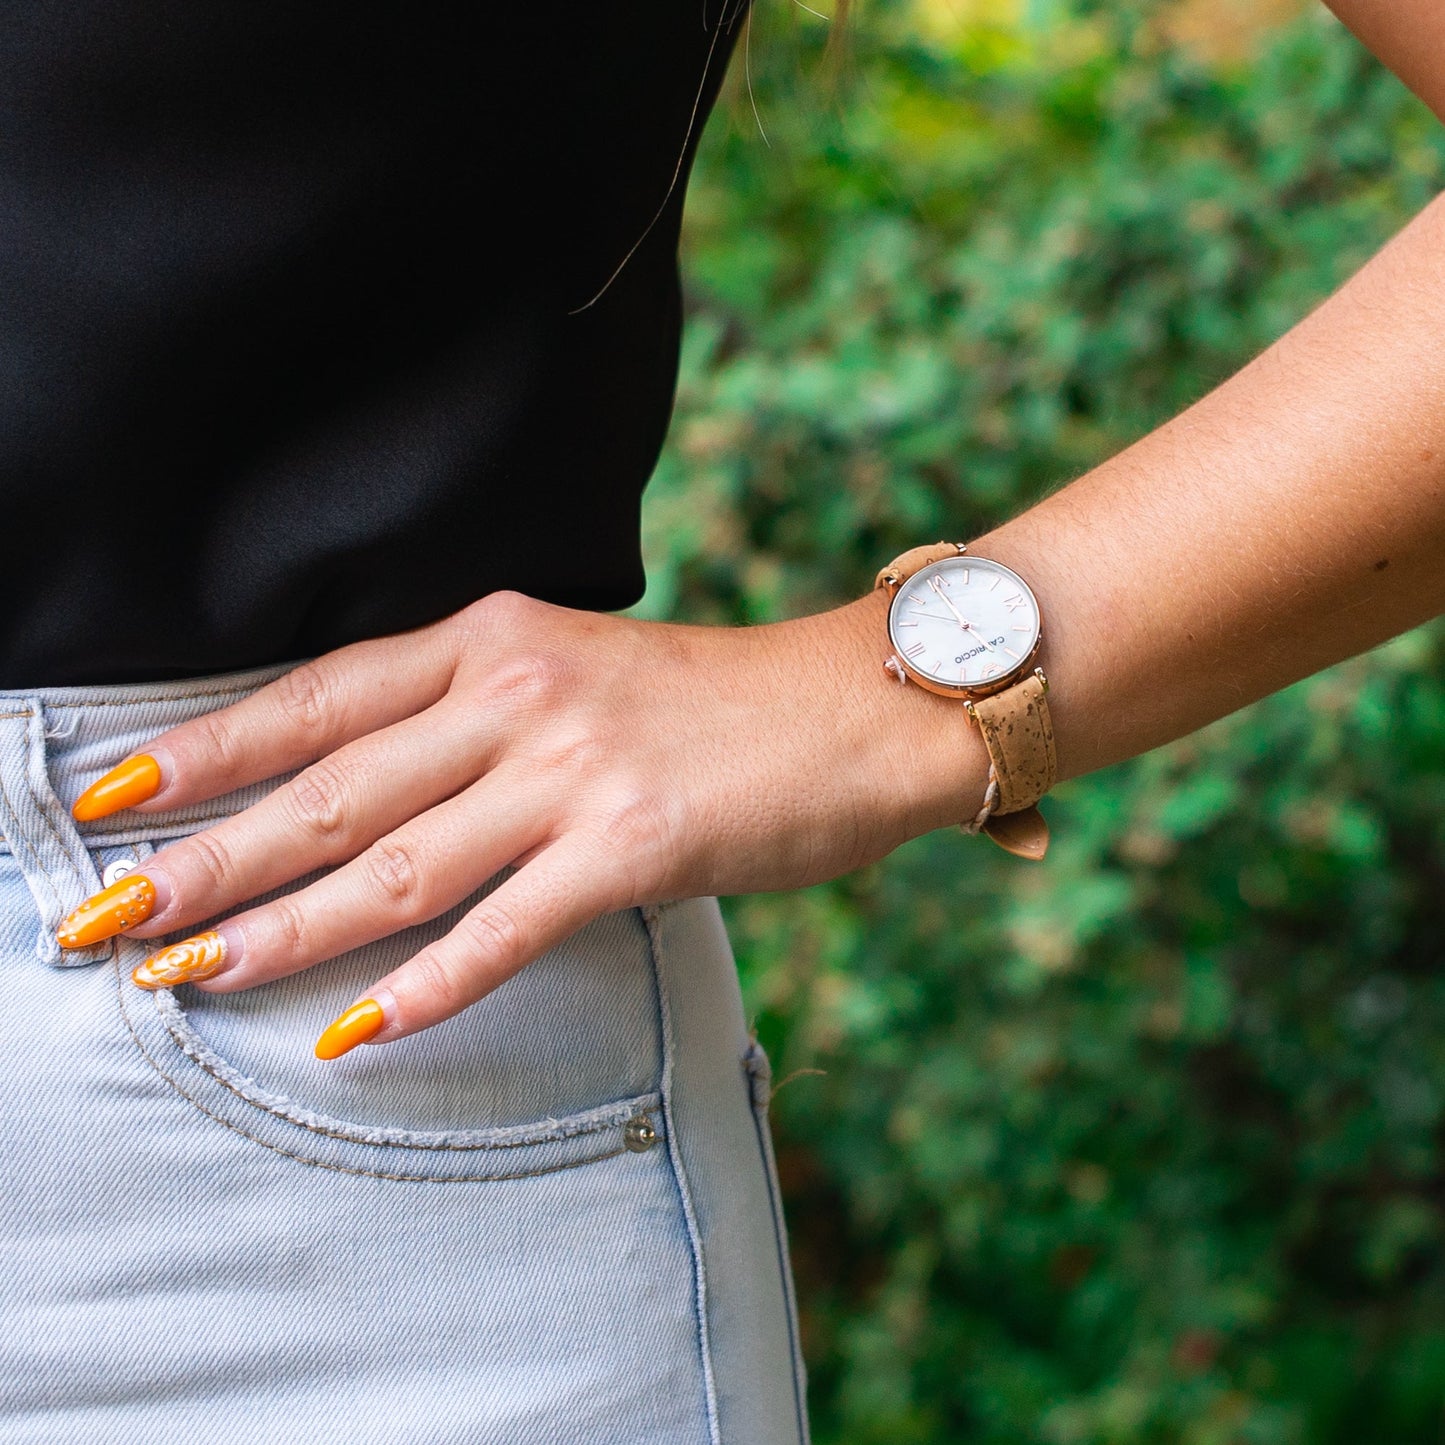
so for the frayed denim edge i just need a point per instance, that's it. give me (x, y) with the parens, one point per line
(511, 1136)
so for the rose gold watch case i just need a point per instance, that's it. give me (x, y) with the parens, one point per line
(969, 692)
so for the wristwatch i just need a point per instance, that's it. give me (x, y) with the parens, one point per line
(968, 627)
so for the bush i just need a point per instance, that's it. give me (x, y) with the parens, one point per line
(1144, 1144)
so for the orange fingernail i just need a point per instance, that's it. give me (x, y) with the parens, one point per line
(127, 902)
(188, 961)
(360, 1022)
(132, 782)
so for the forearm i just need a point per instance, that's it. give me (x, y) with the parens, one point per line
(1293, 517)
(1409, 36)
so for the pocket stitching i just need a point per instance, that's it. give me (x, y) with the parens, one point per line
(209, 692)
(212, 1063)
(324, 1164)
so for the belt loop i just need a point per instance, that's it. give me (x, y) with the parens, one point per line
(47, 848)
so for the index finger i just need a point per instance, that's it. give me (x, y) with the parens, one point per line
(301, 716)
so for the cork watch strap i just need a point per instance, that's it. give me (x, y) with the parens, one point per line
(903, 566)
(1019, 736)
(1016, 730)
(1020, 739)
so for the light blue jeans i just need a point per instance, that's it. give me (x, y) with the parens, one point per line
(553, 1218)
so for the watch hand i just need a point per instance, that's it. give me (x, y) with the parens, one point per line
(981, 638)
(962, 621)
(937, 585)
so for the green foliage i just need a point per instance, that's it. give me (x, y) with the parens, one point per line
(1144, 1144)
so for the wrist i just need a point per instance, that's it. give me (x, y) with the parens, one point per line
(966, 628)
(928, 758)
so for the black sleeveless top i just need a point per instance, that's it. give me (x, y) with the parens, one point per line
(312, 325)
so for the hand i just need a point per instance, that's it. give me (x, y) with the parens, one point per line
(615, 762)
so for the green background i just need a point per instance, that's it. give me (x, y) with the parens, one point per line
(1142, 1144)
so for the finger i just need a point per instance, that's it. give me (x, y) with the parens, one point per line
(536, 909)
(325, 815)
(306, 713)
(412, 874)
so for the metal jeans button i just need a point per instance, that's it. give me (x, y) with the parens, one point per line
(638, 1134)
(118, 869)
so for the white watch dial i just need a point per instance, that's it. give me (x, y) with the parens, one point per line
(965, 623)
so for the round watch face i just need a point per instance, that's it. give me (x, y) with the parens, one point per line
(965, 624)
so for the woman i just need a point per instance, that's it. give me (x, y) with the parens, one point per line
(362, 330)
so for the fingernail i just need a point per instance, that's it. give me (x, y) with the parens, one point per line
(127, 902)
(132, 782)
(189, 961)
(360, 1022)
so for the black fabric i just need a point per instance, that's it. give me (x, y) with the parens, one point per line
(291, 351)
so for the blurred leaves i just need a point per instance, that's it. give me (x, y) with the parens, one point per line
(1142, 1145)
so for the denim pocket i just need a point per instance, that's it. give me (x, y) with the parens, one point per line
(559, 1066)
